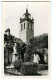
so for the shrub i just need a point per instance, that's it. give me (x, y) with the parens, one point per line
(27, 55)
(29, 68)
(42, 67)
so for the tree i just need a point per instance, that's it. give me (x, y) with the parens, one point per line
(21, 50)
(39, 42)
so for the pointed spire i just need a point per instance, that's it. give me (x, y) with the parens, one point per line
(27, 8)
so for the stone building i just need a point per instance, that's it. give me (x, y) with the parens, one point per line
(26, 27)
(10, 53)
(8, 47)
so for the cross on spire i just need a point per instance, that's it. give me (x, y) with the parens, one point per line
(27, 7)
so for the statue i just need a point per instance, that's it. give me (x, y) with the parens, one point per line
(15, 54)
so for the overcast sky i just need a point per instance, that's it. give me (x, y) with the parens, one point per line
(12, 11)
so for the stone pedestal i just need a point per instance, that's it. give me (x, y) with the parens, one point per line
(14, 57)
(15, 54)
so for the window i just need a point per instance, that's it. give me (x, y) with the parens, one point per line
(21, 27)
(24, 25)
(31, 26)
(28, 25)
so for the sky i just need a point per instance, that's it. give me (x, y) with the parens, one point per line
(12, 11)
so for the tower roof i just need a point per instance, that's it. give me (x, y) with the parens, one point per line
(26, 13)
(27, 16)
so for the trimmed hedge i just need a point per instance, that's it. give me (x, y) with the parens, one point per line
(29, 68)
(42, 67)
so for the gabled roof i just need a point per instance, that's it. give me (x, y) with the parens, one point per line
(17, 40)
(12, 39)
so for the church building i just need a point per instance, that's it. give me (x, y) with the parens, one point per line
(26, 27)
(15, 48)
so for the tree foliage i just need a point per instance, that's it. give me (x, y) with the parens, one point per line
(34, 44)
(40, 41)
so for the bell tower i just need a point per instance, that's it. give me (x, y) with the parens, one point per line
(26, 27)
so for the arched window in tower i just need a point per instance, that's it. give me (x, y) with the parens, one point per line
(24, 25)
(21, 27)
(28, 25)
(31, 26)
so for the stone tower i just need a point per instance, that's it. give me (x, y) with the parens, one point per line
(26, 27)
